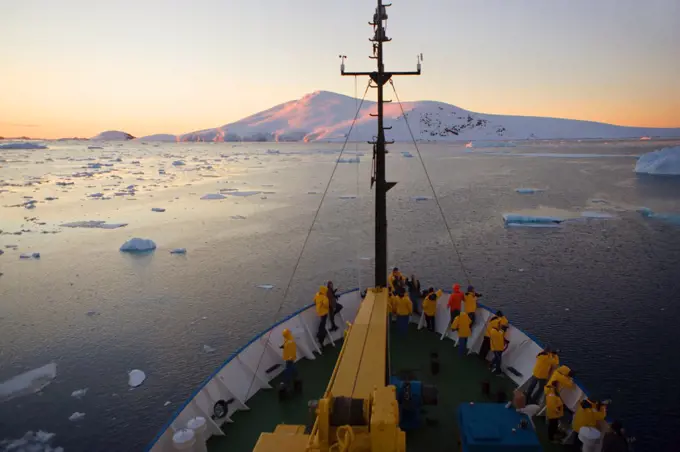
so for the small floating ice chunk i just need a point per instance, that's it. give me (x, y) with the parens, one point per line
(94, 224)
(79, 393)
(512, 219)
(137, 244)
(166, 403)
(407, 154)
(420, 198)
(178, 163)
(350, 160)
(157, 209)
(528, 191)
(178, 251)
(266, 286)
(669, 217)
(208, 349)
(28, 383)
(348, 197)
(76, 416)
(35, 255)
(136, 377)
(30, 442)
(243, 193)
(238, 217)
(591, 214)
(95, 147)
(213, 196)
(273, 151)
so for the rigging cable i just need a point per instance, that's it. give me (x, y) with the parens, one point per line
(304, 244)
(357, 203)
(441, 211)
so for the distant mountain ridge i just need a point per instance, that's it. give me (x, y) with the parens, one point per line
(327, 116)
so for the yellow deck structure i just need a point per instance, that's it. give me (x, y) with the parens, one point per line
(358, 380)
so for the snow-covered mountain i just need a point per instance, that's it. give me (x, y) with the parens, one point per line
(112, 135)
(326, 116)
(159, 137)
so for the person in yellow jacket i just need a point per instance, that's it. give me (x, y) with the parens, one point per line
(462, 324)
(497, 339)
(495, 321)
(430, 307)
(395, 279)
(404, 308)
(289, 356)
(563, 377)
(584, 416)
(554, 410)
(322, 306)
(546, 362)
(470, 302)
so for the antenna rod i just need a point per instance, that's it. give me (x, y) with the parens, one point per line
(380, 78)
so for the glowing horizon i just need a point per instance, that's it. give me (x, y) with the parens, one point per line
(77, 68)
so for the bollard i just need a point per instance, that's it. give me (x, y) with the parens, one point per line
(184, 439)
(199, 426)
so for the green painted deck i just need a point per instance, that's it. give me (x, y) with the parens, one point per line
(459, 381)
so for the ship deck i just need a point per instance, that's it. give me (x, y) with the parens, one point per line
(459, 381)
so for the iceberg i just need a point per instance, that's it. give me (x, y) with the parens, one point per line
(178, 251)
(662, 162)
(136, 377)
(511, 219)
(210, 196)
(30, 442)
(28, 383)
(137, 244)
(94, 224)
(112, 135)
(669, 217)
(528, 191)
(23, 145)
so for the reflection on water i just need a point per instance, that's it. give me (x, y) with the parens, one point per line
(602, 290)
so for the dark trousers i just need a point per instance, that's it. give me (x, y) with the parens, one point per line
(402, 323)
(496, 363)
(289, 372)
(472, 318)
(462, 345)
(454, 314)
(337, 307)
(321, 332)
(535, 385)
(486, 345)
(429, 320)
(552, 428)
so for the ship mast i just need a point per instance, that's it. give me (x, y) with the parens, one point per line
(380, 78)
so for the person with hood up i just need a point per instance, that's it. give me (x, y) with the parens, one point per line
(494, 322)
(462, 324)
(546, 362)
(430, 307)
(322, 307)
(497, 339)
(554, 410)
(471, 302)
(395, 278)
(413, 287)
(455, 301)
(289, 356)
(404, 310)
(333, 306)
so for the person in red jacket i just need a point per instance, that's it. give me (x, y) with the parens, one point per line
(455, 300)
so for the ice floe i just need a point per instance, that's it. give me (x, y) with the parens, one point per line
(23, 145)
(266, 286)
(136, 377)
(238, 217)
(28, 383)
(30, 442)
(490, 144)
(406, 154)
(137, 244)
(77, 416)
(178, 163)
(157, 209)
(668, 217)
(512, 219)
(210, 196)
(79, 393)
(97, 224)
(662, 162)
(593, 214)
(350, 160)
(243, 193)
(29, 256)
(208, 349)
(178, 251)
(528, 191)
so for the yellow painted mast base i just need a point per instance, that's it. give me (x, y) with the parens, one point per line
(358, 380)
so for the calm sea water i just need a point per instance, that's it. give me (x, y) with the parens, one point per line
(604, 291)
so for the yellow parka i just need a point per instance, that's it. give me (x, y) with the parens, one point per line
(321, 301)
(561, 379)
(289, 346)
(497, 340)
(462, 324)
(391, 278)
(545, 362)
(404, 305)
(553, 403)
(430, 306)
(470, 302)
(584, 417)
(495, 322)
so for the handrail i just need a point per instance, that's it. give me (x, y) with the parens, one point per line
(224, 363)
